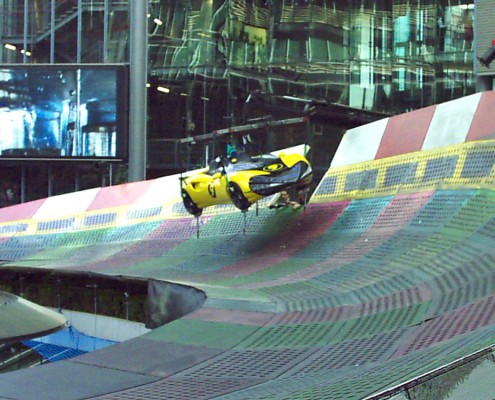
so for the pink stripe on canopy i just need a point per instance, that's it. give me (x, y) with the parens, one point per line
(122, 195)
(20, 211)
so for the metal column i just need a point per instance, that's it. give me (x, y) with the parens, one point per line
(138, 98)
(26, 31)
(53, 15)
(2, 7)
(106, 16)
(79, 31)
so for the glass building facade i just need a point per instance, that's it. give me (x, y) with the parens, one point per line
(217, 64)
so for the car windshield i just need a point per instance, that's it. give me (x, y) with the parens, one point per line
(242, 163)
(267, 158)
(243, 166)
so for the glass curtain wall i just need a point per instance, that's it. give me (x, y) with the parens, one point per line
(64, 31)
(221, 63)
(56, 32)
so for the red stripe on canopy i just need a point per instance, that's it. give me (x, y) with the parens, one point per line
(405, 133)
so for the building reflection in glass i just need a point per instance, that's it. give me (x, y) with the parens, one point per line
(383, 56)
(215, 64)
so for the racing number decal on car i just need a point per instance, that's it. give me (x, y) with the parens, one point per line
(211, 190)
(273, 167)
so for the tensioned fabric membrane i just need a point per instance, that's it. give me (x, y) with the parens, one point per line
(388, 274)
(23, 320)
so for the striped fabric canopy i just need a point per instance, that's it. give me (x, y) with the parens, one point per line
(386, 276)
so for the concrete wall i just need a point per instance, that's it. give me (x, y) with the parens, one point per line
(108, 328)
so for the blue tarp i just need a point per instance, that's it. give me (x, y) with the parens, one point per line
(65, 344)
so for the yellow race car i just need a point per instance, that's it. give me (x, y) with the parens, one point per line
(244, 180)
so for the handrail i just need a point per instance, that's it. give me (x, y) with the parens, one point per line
(15, 358)
(420, 379)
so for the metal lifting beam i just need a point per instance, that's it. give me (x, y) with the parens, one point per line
(242, 129)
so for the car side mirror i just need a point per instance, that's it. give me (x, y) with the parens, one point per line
(217, 175)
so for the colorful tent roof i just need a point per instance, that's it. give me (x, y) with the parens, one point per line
(386, 276)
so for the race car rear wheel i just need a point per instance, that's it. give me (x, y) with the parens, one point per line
(237, 196)
(190, 205)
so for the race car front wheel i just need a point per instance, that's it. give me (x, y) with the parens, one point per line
(237, 196)
(190, 205)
